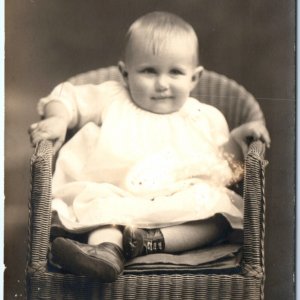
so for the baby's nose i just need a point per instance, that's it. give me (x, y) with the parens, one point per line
(162, 83)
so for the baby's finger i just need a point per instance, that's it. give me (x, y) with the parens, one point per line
(244, 147)
(36, 139)
(37, 128)
(32, 127)
(38, 136)
(266, 138)
(32, 142)
(255, 135)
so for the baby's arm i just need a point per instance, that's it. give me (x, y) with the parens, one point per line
(237, 146)
(250, 131)
(53, 127)
(66, 107)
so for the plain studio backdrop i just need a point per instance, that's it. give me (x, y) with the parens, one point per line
(250, 41)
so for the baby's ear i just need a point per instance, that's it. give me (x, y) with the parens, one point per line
(197, 74)
(122, 69)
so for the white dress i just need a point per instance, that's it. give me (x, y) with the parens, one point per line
(128, 166)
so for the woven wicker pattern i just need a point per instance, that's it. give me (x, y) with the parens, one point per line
(41, 170)
(202, 287)
(43, 284)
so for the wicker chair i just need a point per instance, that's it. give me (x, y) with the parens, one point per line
(247, 282)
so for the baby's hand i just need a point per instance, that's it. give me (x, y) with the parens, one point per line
(53, 129)
(255, 130)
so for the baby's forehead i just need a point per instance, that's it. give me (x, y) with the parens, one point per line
(162, 38)
(162, 44)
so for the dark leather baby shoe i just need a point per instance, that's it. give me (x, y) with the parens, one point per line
(104, 261)
(137, 242)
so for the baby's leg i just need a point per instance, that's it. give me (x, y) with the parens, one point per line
(107, 234)
(102, 257)
(194, 234)
(178, 238)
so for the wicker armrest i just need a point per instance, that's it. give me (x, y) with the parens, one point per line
(254, 210)
(40, 207)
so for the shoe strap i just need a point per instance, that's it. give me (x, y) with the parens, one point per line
(155, 241)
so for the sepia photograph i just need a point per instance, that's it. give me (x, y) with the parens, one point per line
(150, 149)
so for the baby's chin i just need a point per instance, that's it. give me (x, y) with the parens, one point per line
(161, 108)
(162, 112)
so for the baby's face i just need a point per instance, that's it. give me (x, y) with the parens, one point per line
(161, 82)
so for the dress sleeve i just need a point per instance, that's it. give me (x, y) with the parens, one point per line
(84, 103)
(218, 125)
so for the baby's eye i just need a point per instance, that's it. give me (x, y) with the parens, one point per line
(176, 72)
(148, 71)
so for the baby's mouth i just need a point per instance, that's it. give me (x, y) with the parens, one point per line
(161, 97)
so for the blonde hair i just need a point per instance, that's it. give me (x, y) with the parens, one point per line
(157, 28)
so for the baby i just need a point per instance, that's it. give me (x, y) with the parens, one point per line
(148, 169)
